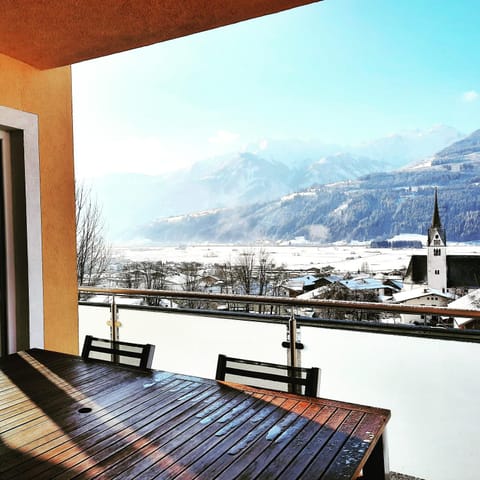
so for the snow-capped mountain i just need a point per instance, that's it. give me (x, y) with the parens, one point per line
(376, 206)
(265, 172)
(411, 146)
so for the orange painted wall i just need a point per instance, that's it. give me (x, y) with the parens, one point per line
(48, 94)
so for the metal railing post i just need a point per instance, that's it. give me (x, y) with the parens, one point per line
(114, 324)
(292, 327)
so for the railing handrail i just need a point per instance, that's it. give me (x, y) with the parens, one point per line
(285, 301)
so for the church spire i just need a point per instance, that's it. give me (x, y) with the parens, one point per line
(436, 233)
(436, 223)
(437, 252)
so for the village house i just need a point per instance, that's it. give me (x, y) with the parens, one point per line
(471, 301)
(365, 283)
(421, 297)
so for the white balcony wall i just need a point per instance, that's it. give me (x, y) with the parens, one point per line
(431, 386)
(92, 321)
(190, 344)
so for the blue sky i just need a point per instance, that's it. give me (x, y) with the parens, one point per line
(339, 71)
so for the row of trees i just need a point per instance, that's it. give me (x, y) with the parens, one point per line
(156, 275)
(252, 272)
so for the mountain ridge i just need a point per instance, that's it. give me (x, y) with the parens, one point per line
(376, 206)
(267, 172)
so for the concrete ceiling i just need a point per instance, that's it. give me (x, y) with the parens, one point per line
(54, 33)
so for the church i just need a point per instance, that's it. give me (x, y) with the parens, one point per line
(457, 274)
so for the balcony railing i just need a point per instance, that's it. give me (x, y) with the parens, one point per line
(427, 376)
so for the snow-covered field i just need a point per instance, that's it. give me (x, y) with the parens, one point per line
(299, 257)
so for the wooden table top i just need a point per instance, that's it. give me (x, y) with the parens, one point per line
(139, 425)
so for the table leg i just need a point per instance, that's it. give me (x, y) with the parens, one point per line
(376, 467)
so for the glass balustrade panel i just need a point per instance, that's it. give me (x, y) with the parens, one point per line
(431, 386)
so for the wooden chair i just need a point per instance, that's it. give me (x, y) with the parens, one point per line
(272, 376)
(124, 353)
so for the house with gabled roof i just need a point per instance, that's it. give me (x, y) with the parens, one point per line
(366, 283)
(421, 297)
(471, 301)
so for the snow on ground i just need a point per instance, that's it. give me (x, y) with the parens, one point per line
(341, 257)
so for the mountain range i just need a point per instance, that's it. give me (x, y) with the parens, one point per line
(377, 205)
(259, 174)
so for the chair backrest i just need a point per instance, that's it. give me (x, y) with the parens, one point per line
(268, 375)
(124, 353)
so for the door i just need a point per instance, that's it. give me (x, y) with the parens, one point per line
(21, 281)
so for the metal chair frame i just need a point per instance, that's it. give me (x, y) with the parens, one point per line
(295, 378)
(118, 349)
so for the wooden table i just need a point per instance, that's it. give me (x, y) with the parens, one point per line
(61, 417)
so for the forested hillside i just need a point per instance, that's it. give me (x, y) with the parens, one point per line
(376, 206)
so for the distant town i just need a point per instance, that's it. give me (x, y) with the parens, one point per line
(400, 271)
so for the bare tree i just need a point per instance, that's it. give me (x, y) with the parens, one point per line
(129, 276)
(338, 292)
(191, 275)
(278, 278)
(244, 267)
(264, 274)
(154, 278)
(93, 254)
(151, 275)
(364, 268)
(226, 273)
(191, 279)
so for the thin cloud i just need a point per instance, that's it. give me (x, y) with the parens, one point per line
(470, 96)
(223, 137)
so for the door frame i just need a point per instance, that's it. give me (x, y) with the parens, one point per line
(7, 245)
(4, 158)
(22, 129)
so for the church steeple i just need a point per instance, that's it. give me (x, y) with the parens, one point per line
(436, 233)
(436, 216)
(437, 252)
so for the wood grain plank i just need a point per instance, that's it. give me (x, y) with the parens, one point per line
(277, 419)
(350, 461)
(270, 445)
(137, 431)
(81, 427)
(111, 432)
(196, 441)
(321, 462)
(252, 448)
(40, 392)
(71, 423)
(66, 418)
(296, 440)
(228, 435)
(163, 442)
